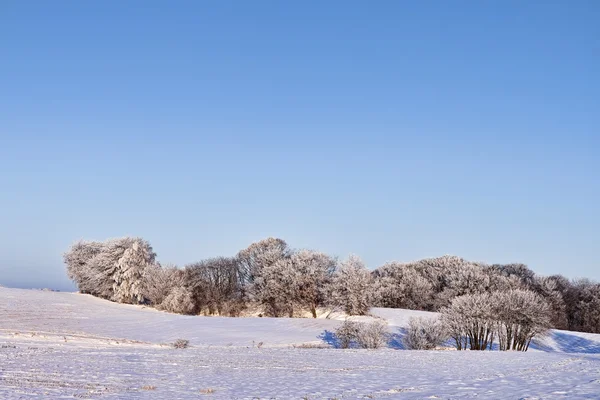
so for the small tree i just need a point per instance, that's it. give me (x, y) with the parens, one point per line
(470, 322)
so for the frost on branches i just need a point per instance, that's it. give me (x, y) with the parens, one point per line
(351, 287)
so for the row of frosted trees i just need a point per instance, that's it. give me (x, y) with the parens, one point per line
(271, 277)
(267, 275)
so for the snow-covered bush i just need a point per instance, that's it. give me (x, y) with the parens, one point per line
(424, 334)
(469, 320)
(520, 315)
(351, 287)
(347, 333)
(514, 317)
(367, 335)
(372, 335)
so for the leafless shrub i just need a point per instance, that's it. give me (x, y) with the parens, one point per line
(181, 344)
(372, 335)
(424, 334)
(347, 333)
(367, 335)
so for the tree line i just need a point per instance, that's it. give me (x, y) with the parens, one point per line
(281, 282)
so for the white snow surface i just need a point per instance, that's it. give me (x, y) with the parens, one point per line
(68, 345)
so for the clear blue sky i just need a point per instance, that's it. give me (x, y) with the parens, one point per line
(392, 129)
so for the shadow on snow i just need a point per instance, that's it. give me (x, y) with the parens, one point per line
(565, 342)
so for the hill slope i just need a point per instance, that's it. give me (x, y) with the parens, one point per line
(65, 345)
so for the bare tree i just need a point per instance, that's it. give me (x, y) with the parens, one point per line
(216, 285)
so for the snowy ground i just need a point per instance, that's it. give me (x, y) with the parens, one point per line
(66, 345)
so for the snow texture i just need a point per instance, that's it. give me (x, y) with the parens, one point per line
(67, 345)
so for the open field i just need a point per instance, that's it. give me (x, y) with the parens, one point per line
(66, 345)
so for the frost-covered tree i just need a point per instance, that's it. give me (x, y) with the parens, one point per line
(521, 271)
(582, 298)
(130, 267)
(401, 285)
(111, 269)
(520, 315)
(276, 287)
(469, 320)
(462, 279)
(260, 254)
(158, 281)
(351, 287)
(548, 289)
(436, 269)
(77, 260)
(312, 272)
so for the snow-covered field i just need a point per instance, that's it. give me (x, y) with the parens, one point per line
(67, 345)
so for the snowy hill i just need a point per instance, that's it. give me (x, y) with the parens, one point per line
(73, 345)
(60, 313)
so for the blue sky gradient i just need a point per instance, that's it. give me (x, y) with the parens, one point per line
(393, 130)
